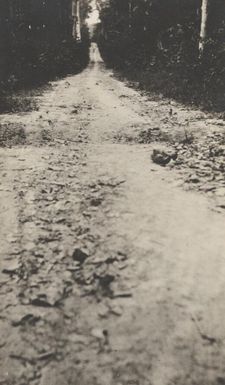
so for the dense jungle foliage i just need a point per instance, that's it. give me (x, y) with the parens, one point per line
(156, 44)
(36, 41)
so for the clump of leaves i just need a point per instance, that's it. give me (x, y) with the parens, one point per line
(188, 137)
(12, 134)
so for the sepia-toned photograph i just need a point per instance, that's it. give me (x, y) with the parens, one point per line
(112, 192)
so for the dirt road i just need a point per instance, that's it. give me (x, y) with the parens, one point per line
(111, 273)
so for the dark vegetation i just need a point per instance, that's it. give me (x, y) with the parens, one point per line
(12, 134)
(37, 42)
(155, 43)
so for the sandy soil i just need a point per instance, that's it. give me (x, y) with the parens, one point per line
(111, 272)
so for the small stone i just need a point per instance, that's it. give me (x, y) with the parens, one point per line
(117, 310)
(26, 319)
(163, 156)
(42, 302)
(100, 334)
(12, 268)
(122, 294)
(221, 380)
(96, 202)
(106, 280)
(193, 179)
(50, 298)
(74, 267)
(46, 356)
(79, 256)
(103, 311)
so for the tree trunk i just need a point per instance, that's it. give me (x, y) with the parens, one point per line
(78, 21)
(129, 14)
(74, 17)
(203, 31)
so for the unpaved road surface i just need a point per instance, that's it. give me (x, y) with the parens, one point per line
(111, 272)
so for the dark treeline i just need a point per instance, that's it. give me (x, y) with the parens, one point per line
(156, 43)
(41, 39)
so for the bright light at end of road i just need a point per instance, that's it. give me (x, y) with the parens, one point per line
(94, 15)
